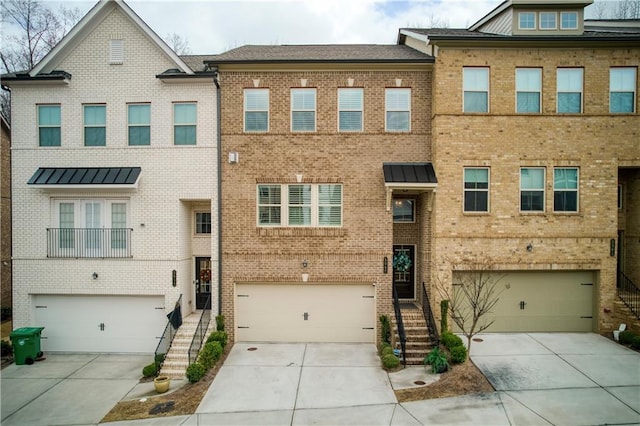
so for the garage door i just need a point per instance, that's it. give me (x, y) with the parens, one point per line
(99, 323)
(544, 301)
(305, 313)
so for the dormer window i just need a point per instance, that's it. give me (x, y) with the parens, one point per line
(548, 21)
(527, 20)
(569, 20)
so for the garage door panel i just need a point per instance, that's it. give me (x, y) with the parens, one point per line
(310, 313)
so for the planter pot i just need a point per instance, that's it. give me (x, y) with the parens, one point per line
(161, 383)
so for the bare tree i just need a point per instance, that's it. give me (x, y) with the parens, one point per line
(627, 9)
(472, 295)
(179, 44)
(599, 10)
(31, 30)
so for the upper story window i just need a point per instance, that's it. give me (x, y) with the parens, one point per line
(532, 189)
(300, 205)
(569, 87)
(303, 110)
(49, 125)
(350, 107)
(95, 125)
(476, 89)
(476, 189)
(527, 20)
(184, 123)
(139, 123)
(398, 110)
(404, 210)
(622, 89)
(548, 20)
(528, 90)
(256, 110)
(568, 20)
(203, 223)
(565, 189)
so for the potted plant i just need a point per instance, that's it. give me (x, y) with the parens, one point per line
(401, 262)
(162, 383)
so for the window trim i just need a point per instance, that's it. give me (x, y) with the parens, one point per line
(195, 223)
(567, 12)
(49, 126)
(634, 86)
(413, 209)
(360, 110)
(314, 110)
(85, 126)
(543, 189)
(558, 92)
(488, 91)
(539, 92)
(535, 21)
(555, 21)
(245, 110)
(576, 190)
(387, 110)
(465, 190)
(129, 125)
(193, 124)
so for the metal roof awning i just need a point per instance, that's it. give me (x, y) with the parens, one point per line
(86, 177)
(412, 178)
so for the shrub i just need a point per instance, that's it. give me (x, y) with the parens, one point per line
(209, 354)
(385, 329)
(150, 370)
(195, 372)
(438, 361)
(159, 359)
(220, 323)
(626, 337)
(218, 336)
(5, 348)
(450, 340)
(390, 361)
(387, 350)
(382, 346)
(458, 354)
(635, 342)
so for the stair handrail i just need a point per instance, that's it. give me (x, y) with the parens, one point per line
(401, 333)
(428, 317)
(169, 333)
(629, 293)
(200, 333)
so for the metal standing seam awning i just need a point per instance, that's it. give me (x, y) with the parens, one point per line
(409, 177)
(86, 177)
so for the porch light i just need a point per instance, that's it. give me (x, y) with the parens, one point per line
(305, 263)
(95, 275)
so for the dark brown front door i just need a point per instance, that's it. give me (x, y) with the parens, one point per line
(203, 282)
(404, 278)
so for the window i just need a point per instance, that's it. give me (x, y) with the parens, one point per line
(568, 20)
(565, 189)
(95, 122)
(476, 189)
(49, 125)
(622, 90)
(256, 110)
(184, 124)
(528, 90)
(139, 121)
(403, 210)
(548, 21)
(398, 110)
(569, 88)
(303, 110)
(203, 223)
(476, 89)
(527, 20)
(350, 103)
(90, 228)
(300, 205)
(532, 189)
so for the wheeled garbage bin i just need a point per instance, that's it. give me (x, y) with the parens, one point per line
(26, 344)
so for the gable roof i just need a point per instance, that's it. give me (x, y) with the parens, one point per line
(88, 23)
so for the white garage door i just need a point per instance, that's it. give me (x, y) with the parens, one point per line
(544, 301)
(305, 313)
(99, 323)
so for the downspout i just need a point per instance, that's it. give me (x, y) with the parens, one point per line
(216, 80)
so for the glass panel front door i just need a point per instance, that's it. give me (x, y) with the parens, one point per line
(403, 271)
(203, 282)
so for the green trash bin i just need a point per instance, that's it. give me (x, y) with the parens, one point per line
(26, 344)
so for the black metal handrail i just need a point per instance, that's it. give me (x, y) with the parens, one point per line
(88, 242)
(401, 333)
(428, 317)
(200, 333)
(169, 333)
(629, 293)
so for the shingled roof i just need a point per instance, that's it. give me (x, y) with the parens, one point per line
(464, 34)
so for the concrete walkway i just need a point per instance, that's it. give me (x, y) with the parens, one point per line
(559, 378)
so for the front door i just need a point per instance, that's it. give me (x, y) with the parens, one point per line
(404, 272)
(203, 283)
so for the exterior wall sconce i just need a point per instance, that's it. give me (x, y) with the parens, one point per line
(174, 278)
(305, 263)
(612, 247)
(385, 264)
(95, 275)
(530, 247)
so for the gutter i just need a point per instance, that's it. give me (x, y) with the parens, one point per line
(216, 80)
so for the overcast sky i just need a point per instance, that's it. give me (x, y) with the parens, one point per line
(214, 26)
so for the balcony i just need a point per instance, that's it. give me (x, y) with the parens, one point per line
(89, 242)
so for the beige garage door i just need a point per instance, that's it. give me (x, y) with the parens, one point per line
(305, 313)
(544, 301)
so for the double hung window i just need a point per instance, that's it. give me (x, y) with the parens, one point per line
(622, 89)
(184, 123)
(565, 189)
(303, 110)
(528, 90)
(300, 205)
(532, 189)
(569, 87)
(139, 121)
(203, 223)
(95, 125)
(256, 110)
(350, 107)
(49, 125)
(398, 110)
(476, 89)
(476, 189)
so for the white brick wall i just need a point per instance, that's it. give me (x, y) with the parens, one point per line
(173, 178)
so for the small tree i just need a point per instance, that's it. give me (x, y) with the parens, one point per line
(473, 294)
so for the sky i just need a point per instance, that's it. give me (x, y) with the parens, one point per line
(214, 26)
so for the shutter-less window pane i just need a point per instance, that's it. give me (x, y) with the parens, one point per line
(569, 87)
(95, 120)
(66, 239)
(184, 119)
(403, 210)
(528, 88)
(569, 20)
(527, 20)
(139, 117)
(256, 110)
(476, 89)
(565, 190)
(622, 90)
(269, 204)
(350, 104)
(299, 205)
(398, 107)
(548, 20)
(476, 190)
(118, 225)
(49, 125)
(303, 110)
(330, 205)
(531, 189)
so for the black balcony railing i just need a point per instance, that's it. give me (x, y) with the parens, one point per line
(401, 332)
(170, 330)
(88, 242)
(428, 317)
(629, 293)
